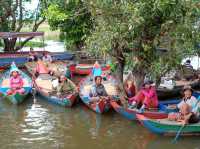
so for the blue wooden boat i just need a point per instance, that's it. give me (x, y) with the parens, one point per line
(4, 87)
(101, 106)
(43, 86)
(160, 113)
(20, 58)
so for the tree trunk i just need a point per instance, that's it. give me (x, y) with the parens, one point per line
(9, 44)
(138, 77)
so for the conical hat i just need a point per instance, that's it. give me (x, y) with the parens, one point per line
(13, 68)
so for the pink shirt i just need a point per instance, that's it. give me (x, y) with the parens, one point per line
(16, 82)
(150, 93)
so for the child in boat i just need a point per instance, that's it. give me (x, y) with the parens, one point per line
(16, 82)
(96, 71)
(146, 97)
(188, 108)
(98, 90)
(129, 88)
(64, 86)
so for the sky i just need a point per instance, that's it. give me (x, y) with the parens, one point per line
(32, 5)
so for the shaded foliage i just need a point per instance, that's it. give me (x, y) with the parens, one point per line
(132, 31)
(73, 19)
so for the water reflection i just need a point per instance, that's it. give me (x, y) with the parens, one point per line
(37, 124)
(43, 125)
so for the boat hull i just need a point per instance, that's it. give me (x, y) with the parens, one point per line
(65, 102)
(87, 71)
(161, 128)
(17, 98)
(161, 113)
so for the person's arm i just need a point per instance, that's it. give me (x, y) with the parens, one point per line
(11, 83)
(21, 82)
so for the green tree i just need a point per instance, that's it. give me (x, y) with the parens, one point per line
(73, 19)
(14, 15)
(132, 32)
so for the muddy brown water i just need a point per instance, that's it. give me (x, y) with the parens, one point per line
(42, 125)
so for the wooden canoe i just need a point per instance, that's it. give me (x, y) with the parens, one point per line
(101, 106)
(22, 57)
(160, 113)
(15, 98)
(59, 67)
(43, 86)
(168, 128)
(164, 93)
(86, 69)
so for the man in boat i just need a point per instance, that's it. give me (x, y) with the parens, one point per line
(98, 91)
(47, 58)
(187, 64)
(16, 82)
(64, 86)
(146, 98)
(188, 108)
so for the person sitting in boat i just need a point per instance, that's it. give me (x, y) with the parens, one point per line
(98, 91)
(64, 86)
(96, 70)
(145, 98)
(188, 108)
(187, 64)
(47, 58)
(16, 82)
(129, 88)
(32, 55)
(42, 69)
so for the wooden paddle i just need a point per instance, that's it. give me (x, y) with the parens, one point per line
(178, 134)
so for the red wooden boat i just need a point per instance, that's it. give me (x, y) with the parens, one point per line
(86, 69)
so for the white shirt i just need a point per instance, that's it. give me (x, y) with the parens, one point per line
(192, 102)
(47, 58)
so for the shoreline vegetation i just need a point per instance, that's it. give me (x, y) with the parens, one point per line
(49, 35)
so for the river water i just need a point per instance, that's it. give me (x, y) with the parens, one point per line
(40, 125)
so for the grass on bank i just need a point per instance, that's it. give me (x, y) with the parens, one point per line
(48, 33)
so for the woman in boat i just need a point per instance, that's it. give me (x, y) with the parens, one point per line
(146, 97)
(16, 82)
(64, 86)
(129, 88)
(188, 108)
(98, 90)
(96, 71)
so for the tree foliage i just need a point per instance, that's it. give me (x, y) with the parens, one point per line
(72, 18)
(138, 28)
(14, 15)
